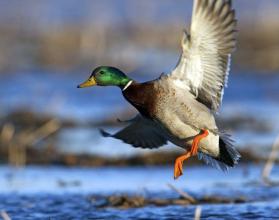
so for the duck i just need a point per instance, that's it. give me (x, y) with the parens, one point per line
(181, 107)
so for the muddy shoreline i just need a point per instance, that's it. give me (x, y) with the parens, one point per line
(50, 156)
(134, 201)
(46, 151)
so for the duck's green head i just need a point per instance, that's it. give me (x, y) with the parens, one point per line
(106, 76)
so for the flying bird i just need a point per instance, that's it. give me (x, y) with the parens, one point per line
(180, 107)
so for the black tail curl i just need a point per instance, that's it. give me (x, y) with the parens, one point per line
(228, 156)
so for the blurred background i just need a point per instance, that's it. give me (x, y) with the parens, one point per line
(51, 128)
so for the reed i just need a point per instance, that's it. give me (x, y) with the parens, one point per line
(17, 143)
(5, 215)
(89, 45)
(270, 162)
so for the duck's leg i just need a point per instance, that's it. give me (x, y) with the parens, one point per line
(178, 170)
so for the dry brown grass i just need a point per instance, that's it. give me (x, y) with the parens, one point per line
(71, 47)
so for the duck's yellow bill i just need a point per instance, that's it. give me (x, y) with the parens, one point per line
(88, 83)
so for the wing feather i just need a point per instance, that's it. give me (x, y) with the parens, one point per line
(141, 132)
(204, 64)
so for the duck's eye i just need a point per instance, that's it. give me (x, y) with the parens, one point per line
(101, 72)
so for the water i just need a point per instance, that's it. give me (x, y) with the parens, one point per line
(79, 207)
(65, 193)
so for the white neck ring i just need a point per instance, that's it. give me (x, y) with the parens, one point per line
(127, 85)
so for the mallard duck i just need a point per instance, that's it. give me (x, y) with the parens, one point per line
(180, 107)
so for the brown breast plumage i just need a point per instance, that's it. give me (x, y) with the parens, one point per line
(143, 97)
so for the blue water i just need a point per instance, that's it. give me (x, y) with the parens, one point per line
(119, 179)
(80, 207)
(65, 193)
(57, 94)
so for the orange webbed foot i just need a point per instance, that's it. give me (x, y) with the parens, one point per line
(178, 169)
(178, 166)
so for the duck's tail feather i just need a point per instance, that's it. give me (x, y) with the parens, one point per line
(228, 156)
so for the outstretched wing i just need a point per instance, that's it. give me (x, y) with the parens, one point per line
(203, 67)
(141, 132)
